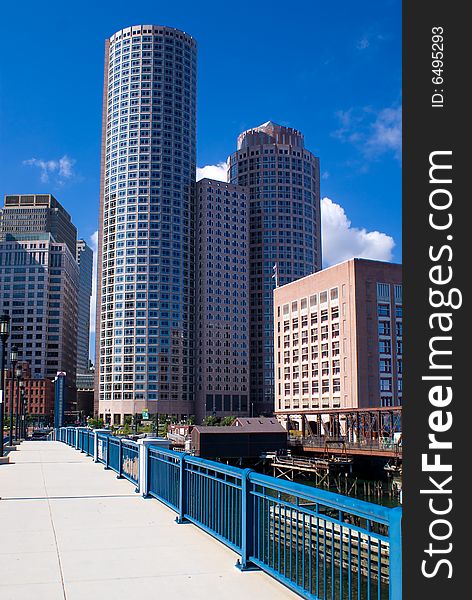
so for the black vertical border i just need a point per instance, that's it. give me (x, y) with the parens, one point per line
(425, 130)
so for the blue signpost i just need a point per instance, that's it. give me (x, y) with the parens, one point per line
(59, 387)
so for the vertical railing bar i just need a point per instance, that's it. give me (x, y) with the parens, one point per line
(395, 549)
(310, 553)
(325, 527)
(279, 532)
(291, 544)
(317, 552)
(359, 565)
(303, 550)
(369, 562)
(296, 539)
(273, 524)
(333, 562)
(349, 564)
(379, 569)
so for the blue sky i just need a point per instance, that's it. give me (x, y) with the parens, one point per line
(330, 69)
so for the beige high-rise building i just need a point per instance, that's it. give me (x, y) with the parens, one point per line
(221, 301)
(338, 339)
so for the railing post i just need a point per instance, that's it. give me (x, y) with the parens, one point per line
(182, 489)
(247, 524)
(143, 444)
(143, 468)
(395, 554)
(107, 458)
(95, 442)
(95, 446)
(120, 459)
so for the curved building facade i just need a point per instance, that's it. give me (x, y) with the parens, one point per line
(282, 177)
(145, 285)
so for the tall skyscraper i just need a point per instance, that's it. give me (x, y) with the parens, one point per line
(85, 262)
(145, 280)
(339, 339)
(39, 279)
(222, 289)
(282, 177)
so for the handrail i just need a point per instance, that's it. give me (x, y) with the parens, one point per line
(318, 543)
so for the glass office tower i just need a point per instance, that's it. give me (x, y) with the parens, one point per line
(84, 256)
(283, 180)
(145, 279)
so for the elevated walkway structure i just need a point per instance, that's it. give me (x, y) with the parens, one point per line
(72, 531)
(97, 538)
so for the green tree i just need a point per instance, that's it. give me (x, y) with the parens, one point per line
(211, 421)
(95, 423)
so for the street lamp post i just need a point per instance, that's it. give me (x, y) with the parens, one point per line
(13, 360)
(20, 417)
(4, 333)
(19, 382)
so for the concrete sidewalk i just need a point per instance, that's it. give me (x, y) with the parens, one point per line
(69, 530)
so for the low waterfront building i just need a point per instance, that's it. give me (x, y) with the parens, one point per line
(246, 438)
(338, 339)
(38, 396)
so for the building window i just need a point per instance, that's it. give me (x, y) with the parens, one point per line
(383, 291)
(383, 310)
(398, 293)
(385, 347)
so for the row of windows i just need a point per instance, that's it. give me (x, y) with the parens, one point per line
(312, 301)
(326, 386)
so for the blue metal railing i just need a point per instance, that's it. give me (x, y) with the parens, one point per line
(320, 544)
(164, 476)
(130, 461)
(323, 546)
(102, 448)
(114, 454)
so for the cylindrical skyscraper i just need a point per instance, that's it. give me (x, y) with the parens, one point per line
(145, 280)
(285, 239)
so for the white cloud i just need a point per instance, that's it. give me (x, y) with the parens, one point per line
(59, 170)
(341, 241)
(363, 44)
(386, 132)
(93, 301)
(65, 167)
(217, 172)
(373, 133)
